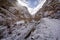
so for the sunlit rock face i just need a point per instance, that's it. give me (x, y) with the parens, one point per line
(51, 8)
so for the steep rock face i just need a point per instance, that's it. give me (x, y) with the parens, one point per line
(51, 8)
(9, 10)
(10, 15)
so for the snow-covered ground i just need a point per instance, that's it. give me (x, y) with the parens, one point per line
(46, 29)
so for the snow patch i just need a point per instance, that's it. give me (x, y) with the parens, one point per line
(20, 22)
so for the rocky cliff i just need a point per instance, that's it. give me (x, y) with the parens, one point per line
(11, 15)
(51, 8)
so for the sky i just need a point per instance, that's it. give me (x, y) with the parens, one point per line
(32, 5)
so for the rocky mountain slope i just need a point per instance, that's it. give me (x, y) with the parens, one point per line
(51, 9)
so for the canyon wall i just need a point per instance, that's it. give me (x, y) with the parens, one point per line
(51, 9)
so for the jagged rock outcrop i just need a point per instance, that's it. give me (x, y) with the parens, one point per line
(51, 8)
(13, 11)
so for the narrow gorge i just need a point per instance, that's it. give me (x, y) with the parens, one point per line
(17, 23)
